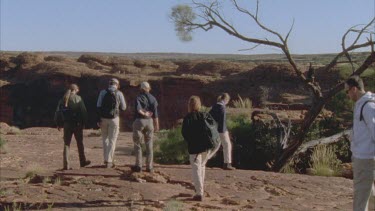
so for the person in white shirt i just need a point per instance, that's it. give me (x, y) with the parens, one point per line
(109, 104)
(362, 142)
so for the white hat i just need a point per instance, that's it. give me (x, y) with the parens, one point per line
(114, 80)
(145, 86)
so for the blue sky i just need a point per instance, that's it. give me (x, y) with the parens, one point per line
(138, 26)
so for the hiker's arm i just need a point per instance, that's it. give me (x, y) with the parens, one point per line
(55, 118)
(184, 128)
(83, 111)
(156, 124)
(155, 115)
(369, 118)
(138, 107)
(99, 105)
(57, 109)
(122, 102)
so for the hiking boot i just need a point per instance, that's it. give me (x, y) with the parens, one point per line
(197, 198)
(150, 170)
(228, 166)
(136, 169)
(86, 163)
(109, 165)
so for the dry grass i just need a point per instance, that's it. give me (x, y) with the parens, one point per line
(3, 146)
(13, 131)
(33, 170)
(324, 162)
(242, 103)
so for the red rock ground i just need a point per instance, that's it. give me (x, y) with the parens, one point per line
(169, 188)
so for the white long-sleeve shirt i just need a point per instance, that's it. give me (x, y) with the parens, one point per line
(363, 140)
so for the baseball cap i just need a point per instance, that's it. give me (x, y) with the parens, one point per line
(114, 80)
(145, 86)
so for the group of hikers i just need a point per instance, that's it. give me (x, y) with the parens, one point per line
(204, 132)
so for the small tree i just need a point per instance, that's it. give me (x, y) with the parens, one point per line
(209, 15)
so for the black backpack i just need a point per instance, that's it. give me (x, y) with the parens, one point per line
(211, 132)
(363, 105)
(65, 114)
(109, 107)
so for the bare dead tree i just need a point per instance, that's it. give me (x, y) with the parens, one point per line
(208, 15)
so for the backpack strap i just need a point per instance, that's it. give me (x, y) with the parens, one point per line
(363, 105)
(115, 93)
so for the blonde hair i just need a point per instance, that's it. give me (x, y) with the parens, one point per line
(194, 104)
(223, 96)
(68, 93)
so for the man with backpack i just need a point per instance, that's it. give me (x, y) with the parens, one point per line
(146, 122)
(109, 104)
(362, 142)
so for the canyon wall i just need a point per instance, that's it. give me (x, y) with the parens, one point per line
(32, 83)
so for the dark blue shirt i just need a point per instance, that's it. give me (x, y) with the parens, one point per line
(218, 113)
(146, 102)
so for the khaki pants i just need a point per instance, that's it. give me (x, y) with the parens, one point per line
(198, 166)
(143, 128)
(363, 179)
(110, 130)
(227, 147)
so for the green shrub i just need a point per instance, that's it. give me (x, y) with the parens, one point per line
(171, 147)
(341, 106)
(342, 150)
(324, 161)
(292, 166)
(255, 143)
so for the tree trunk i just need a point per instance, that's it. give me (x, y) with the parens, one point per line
(328, 140)
(298, 139)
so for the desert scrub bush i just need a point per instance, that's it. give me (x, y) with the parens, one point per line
(2, 145)
(324, 161)
(57, 181)
(3, 192)
(264, 93)
(323, 127)
(205, 109)
(291, 166)
(33, 170)
(171, 147)
(14, 131)
(342, 150)
(255, 143)
(15, 207)
(341, 106)
(242, 103)
(47, 180)
(173, 205)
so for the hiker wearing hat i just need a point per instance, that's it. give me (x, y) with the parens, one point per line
(362, 143)
(146, 122)
(110, 102)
